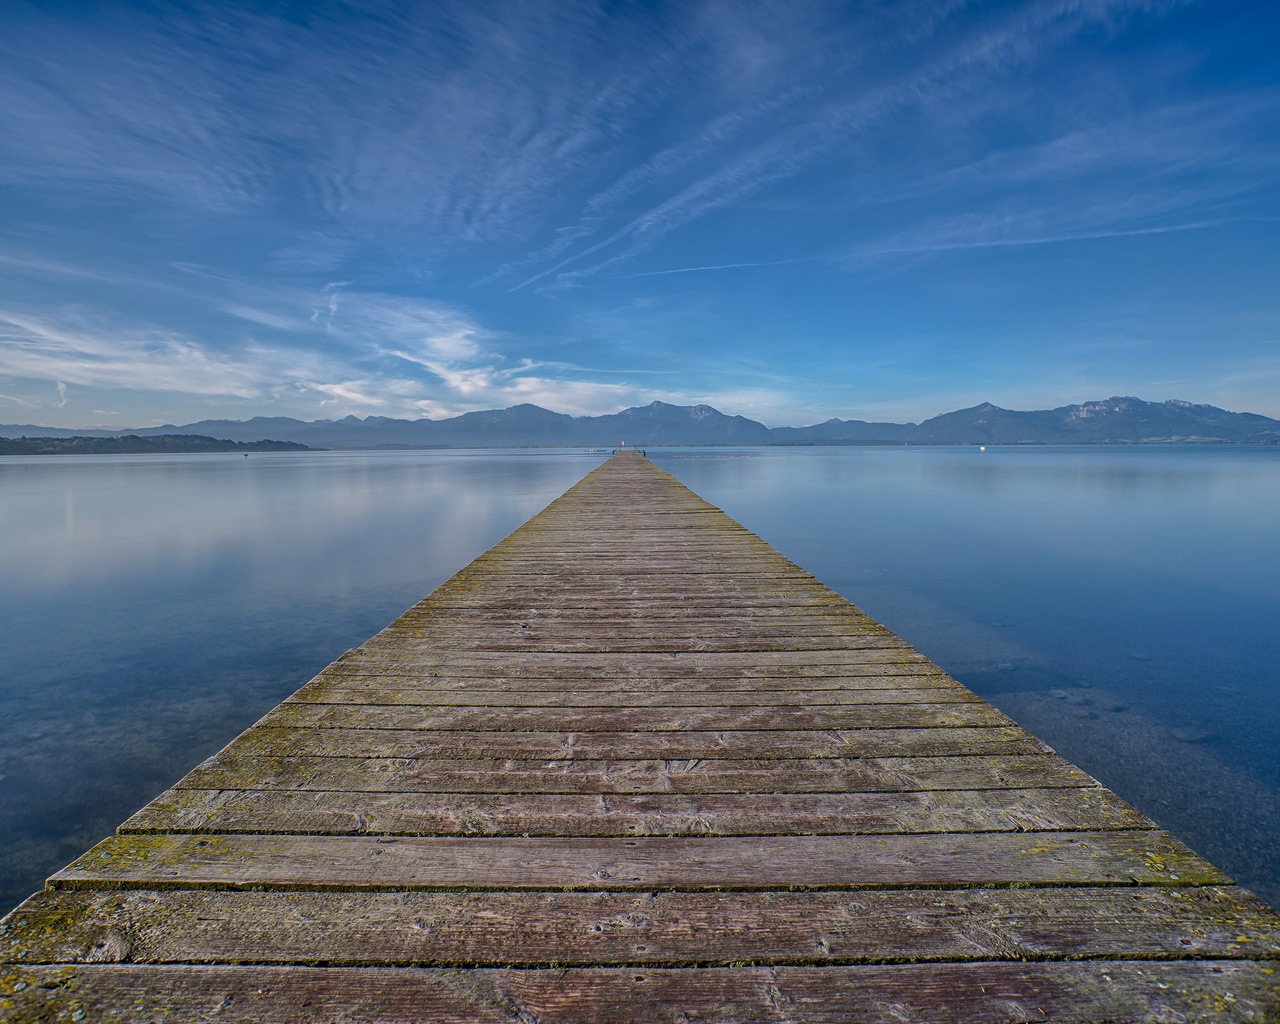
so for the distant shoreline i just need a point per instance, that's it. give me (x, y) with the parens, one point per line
(196, 444)
(132, 444)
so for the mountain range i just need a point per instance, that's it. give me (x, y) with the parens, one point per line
(1113, 421)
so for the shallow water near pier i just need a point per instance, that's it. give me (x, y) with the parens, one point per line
(1120, 603)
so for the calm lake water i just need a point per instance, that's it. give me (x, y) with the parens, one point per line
(1121, 603)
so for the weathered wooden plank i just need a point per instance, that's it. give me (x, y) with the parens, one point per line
(690, 641)
(472, 584)
(332, 740)
(543, 674)
(643, 718)
(791, 580)
(659, 628)
(810, 621)
(336, 813)
(577, 604)
(725, 775)
(1128, 857)
(381, 655)
(659, 928)
(436, 678)
(745, 563)
(687, 643)
(1208, 991)
(667, 595)
(568, 606)
(325, 692)
(838, 636)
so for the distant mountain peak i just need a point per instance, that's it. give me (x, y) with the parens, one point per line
(1119, 419)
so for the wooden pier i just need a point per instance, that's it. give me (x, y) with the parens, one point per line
(633, 765)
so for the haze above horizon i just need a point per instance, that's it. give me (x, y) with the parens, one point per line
(786, 211)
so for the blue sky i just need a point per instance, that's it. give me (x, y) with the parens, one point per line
(879, 210)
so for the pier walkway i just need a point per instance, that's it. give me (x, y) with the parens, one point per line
(631, 764)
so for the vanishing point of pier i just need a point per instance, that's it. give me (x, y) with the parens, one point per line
(631, 764)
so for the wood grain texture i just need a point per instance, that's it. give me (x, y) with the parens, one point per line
(330, 738)
(910, 691)
(632, 775)
(1072, 992)
(488, 718)
(556, 814)
(380, 657)
(752, 862)
(660, 928)
(632, 764)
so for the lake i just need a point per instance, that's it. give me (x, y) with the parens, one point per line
(1121, 603)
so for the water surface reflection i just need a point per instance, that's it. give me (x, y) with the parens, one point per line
(1121, 603)
(154, 606)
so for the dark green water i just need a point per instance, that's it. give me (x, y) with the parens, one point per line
(1120, 603)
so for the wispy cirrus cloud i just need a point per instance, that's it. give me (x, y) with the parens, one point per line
(90, 349)
(952, 81)
(387, 353)
(460, 120)
(444, 128)
(1184, 164)
(996, 233)
(440, 206)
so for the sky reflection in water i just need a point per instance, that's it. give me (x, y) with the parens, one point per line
(153, 607)
(1120, 603)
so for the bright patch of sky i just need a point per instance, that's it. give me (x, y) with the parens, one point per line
(790, 211)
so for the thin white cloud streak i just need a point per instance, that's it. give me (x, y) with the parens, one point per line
(809, 59)
(398, 357)
(472, 150)
(87, 352)
(940, 245)
(873, 251)
(719, 266)
(783, 71)
(205, 112)
(440, 129)
(1190, 160)
(30, 264)
(963, 71)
